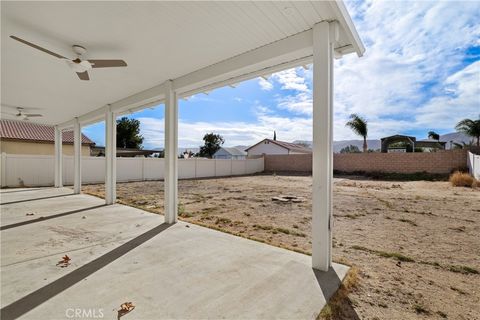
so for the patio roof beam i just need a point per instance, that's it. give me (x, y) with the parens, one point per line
(356, 44)
(293, 51)
(249, 75)
(278, 52)
(138, 101)
(279, 55)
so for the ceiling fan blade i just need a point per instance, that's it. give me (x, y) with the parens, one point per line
(38, 47)
(31, 115)
(83, 75)
(107, 63)
(10, 114)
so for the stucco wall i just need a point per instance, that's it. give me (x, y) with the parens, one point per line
(435, 162)
(23, 147)
(266, 148)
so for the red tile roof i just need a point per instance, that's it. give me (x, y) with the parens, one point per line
(22, 130)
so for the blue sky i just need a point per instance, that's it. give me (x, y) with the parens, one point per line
(420, 72)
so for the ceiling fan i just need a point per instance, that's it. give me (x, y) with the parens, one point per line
(23, 115)
(79, 66)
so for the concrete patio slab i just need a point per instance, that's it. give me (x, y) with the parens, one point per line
(124, 254)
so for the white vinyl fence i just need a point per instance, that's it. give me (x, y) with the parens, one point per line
(474, 165)
(35, 170)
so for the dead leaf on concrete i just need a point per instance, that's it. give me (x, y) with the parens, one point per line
(65, 262)
(125, 308)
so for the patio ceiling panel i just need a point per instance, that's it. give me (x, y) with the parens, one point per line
(159, 41)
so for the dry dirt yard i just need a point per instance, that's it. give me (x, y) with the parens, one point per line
(415, 245)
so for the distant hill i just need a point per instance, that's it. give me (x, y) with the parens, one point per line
(340, 144)
(375, 144)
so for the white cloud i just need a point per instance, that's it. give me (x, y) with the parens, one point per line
(265, 84)
(408, 78)
(461, 99)
(405, 80)
(235, 133)
(291, 80)
(300, 103)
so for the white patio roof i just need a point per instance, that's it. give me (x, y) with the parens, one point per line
(199, 45)
(173, 49)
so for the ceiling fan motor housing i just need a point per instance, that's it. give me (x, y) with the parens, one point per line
(79, 50)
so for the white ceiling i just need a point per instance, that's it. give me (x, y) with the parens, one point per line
(158, 40)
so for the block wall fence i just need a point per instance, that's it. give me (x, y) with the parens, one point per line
(431, 162)
(33, 170)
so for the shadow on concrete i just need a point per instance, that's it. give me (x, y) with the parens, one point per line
(329, 283)
(36, 298)
(58, 215)
(35, 199)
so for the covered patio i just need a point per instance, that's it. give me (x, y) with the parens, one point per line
(173, 50)
(119, 253)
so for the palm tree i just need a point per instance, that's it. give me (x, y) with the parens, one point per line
(359, 126)
(433, 135)
(470, 128)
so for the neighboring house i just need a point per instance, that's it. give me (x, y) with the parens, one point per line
(230, 153)
(21, 137)
(97, 151)
(269, 146)
(402, 143)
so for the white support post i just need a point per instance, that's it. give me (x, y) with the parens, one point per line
(4, 169)
(110, 156)
(77, 156)
(324, 36)
(171, 150)
(58, 158)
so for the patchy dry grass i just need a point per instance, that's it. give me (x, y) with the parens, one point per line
(414, 245)
(462, 179)
(393, 255)
(463, 269)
